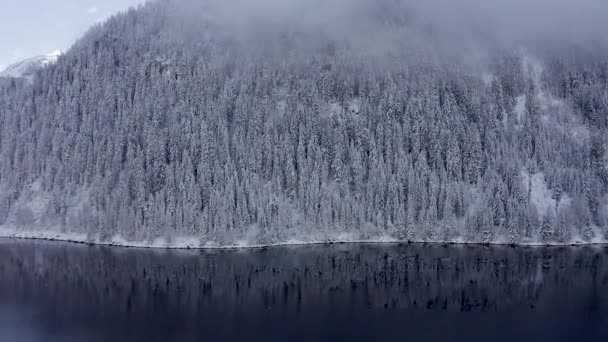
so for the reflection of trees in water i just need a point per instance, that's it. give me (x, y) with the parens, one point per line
(76, 281)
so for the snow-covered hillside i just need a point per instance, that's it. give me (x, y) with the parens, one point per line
(177, 122)
(27, 67)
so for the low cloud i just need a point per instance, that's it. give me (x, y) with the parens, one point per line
(389, 31)
(479, 22)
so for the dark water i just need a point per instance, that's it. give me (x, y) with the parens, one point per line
(66, 292)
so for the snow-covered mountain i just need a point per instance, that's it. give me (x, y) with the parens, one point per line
(179, 124)
(27, 67)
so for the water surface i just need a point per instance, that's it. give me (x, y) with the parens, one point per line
(68, 292)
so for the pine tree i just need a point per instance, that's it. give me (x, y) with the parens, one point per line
(562, 233)
(546, 229)
(513, 221)
(587, 232)
(557, 196)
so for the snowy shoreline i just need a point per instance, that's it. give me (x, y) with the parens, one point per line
(193, 244)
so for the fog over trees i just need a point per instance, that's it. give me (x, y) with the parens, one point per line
(264, 122)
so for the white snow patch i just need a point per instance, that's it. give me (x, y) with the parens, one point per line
(27, 67)
(354, 105)
(30, 206)
(42, 234)
(281, 107)
(520, 108)
(488, 79)
(540, 196)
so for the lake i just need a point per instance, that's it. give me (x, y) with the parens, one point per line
(52, 291)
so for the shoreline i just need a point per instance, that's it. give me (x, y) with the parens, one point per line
(189, 243)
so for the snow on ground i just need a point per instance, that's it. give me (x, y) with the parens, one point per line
(352, 106)
(194, 243)
(49, 234)
(30, 206)
(184, 242)
(520, 108)
(541, 195)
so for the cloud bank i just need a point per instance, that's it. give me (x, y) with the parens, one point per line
(508, 20)
(469, 28)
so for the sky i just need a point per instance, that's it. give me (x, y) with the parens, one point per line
(35, 27)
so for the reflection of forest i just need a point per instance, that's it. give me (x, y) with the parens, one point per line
(70, 278)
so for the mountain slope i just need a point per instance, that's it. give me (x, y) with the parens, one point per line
(182, 121)
(26, 68)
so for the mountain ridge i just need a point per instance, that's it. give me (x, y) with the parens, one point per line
(27, 67)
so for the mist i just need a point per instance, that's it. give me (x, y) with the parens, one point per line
(394, 30)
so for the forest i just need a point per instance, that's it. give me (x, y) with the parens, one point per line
(372, 122)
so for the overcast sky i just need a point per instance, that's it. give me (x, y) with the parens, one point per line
(35, 27)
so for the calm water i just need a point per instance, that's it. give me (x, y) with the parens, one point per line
(65, 292)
